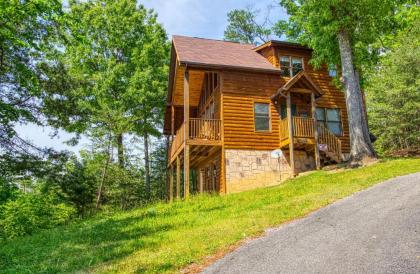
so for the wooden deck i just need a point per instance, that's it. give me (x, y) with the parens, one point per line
(202, 132)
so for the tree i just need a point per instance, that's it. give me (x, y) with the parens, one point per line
(243, 27)
(393, 93)
(25, 30)
(114, 57)
(344, 32)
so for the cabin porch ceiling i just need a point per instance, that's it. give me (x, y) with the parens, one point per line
(196, 78)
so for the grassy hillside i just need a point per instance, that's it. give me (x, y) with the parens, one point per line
(165, 238)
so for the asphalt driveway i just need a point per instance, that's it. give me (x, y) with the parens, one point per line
(373, 231)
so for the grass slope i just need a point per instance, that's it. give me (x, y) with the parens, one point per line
(165, 238)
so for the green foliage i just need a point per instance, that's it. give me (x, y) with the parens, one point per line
(163, 238)
(78, 185)
(8, 190)
(26, 28)
(243, 27)
(115, 58)
(393, 92)
(31, 212)
(316, 23)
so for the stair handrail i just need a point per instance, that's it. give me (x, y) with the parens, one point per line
(327, 137)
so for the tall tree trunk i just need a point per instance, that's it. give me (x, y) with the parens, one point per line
(147, 164)
(360, 145)
(104, 173)
(120, 147)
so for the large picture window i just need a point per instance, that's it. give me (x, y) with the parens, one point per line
(290, 66)
(330, 118)
(262, 116)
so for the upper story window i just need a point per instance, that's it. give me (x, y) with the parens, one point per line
(262, 116)
(332, 70)
(290, 66)
(330, 118)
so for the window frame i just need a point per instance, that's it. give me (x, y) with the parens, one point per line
(255, 102)
(291, 57)
(325, 121)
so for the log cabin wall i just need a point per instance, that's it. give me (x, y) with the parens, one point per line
(332, 98)
(240, 90)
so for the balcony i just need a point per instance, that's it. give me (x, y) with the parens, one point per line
(203, 132)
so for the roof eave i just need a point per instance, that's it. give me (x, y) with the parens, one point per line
(199, 65)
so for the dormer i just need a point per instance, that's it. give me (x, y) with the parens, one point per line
(290, 57)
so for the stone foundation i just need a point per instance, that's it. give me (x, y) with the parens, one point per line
(249, 169)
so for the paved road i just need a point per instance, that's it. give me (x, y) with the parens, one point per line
(373, 231)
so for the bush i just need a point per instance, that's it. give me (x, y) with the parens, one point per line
(31, 212)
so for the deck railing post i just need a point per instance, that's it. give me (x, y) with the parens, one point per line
(291, 131)
(186, 134)
(317, 158)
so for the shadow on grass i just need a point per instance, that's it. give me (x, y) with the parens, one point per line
(79, 246)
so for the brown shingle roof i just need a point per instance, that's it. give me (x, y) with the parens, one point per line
(217, 53)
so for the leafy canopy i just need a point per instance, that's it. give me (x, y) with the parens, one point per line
(115, 55)
(393, 93)
(25, 32)
(243, 27)
(316, 23)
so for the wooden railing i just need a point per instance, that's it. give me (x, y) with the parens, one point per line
(178, 140)
(205, 129)
(303, 127)
(284, 129)
(327, 138)
(199, 129)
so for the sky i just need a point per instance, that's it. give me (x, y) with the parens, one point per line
(197, 18)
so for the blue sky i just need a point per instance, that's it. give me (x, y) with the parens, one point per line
(198, 18)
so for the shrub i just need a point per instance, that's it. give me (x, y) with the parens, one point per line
(31, 212)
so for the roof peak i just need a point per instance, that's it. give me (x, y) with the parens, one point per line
(213, 39)
(281, 43)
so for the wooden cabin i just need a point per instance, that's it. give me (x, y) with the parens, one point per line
(241, 117)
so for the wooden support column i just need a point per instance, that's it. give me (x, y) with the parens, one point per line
(171, 184)
(186, 134)
(172, 122)
(316, 150)
(291, 141)
(200, 180)
(223, 186)
(178, 177)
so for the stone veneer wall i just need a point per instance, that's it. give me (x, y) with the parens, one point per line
(249, 169)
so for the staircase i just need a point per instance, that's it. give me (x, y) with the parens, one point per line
(329, 146)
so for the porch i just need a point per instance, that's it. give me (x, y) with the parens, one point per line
(306, 137)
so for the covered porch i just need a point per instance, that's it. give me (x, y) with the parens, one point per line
(196, 134)
(298, 126)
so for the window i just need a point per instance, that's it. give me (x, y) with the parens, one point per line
(290, 66)
(297, 65)
(262, 116)
(332, 71)
(330, 118)
(285, 66)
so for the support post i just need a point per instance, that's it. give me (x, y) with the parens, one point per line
(291, 141)
(316, 150)
(172, 123)
(178, 177)
(186, 134)
(171, 184)
(200, 180)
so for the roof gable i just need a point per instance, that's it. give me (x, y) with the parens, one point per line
(301, 77)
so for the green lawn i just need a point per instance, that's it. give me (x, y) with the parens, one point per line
(166, 238)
